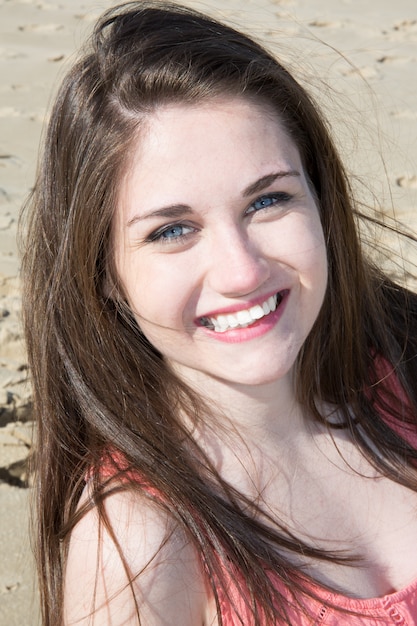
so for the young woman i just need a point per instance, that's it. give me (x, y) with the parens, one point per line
(225, 387)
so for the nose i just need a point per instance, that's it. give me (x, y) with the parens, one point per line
(237, 266)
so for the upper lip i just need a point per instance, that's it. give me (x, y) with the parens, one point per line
(241, 306)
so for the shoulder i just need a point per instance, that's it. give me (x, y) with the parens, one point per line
(142, 563)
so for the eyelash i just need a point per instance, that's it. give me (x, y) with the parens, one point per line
(158, 235)
(277, 198)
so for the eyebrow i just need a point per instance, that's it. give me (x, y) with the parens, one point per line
(266, 181)
(174, 211)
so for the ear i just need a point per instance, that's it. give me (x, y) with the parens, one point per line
(109, 285)
(108, 288)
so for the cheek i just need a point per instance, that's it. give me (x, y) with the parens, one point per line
(317, 266)
(312, 236)
(158, 292)
(310, 259)
(299, 242)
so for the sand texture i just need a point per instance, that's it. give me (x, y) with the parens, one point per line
(360, 60)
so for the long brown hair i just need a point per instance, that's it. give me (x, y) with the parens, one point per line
(96, 379)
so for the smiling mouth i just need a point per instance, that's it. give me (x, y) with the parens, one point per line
(244, 318)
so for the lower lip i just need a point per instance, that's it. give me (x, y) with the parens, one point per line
(257, 329)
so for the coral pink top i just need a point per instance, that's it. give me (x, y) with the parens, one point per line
(398, 608)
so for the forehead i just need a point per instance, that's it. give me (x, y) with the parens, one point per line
(221, 144)
(174, 124)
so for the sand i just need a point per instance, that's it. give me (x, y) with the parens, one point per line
(360, 60)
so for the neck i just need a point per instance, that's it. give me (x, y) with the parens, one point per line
(252, 427)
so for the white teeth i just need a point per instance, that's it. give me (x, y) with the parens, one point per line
(272, 303)
(222, 323)
(256, 312)
(232, 321)
(244, 317)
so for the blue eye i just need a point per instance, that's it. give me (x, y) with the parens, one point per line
(264, 202)
(171, 233)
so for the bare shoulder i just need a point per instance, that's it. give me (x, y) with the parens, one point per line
(167, 584)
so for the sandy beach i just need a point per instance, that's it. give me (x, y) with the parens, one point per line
(360, 61)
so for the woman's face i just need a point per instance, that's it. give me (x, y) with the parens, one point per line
(218, 242)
